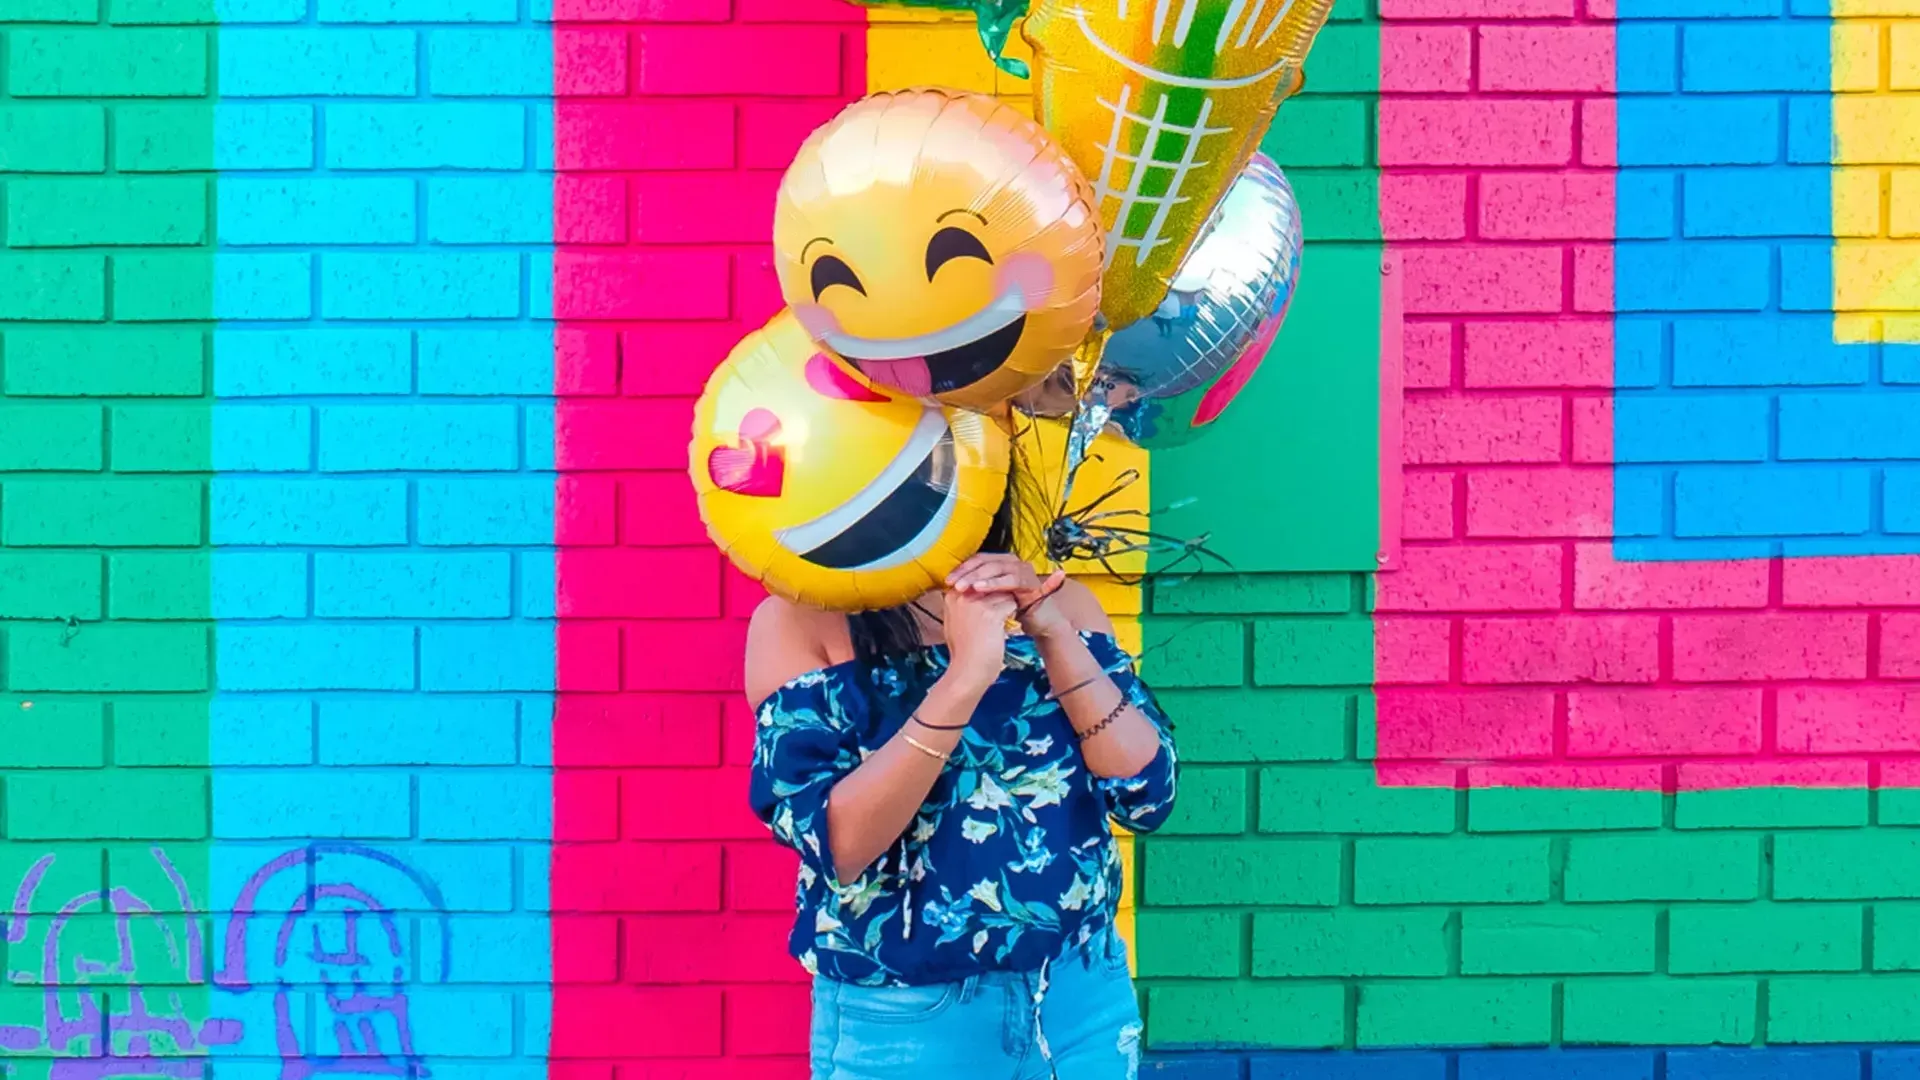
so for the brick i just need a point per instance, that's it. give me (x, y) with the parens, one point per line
(1663, 867)
(108, 657)
(655, 285)
(771, 61)
(1734, 501)
(1476, 9)
(50, 585)
(1557, 941)
(683, 583)
(313, 362)
(332, 62)
(438, 286)
(1475, 133)
(316, 211)
(435, 586)
(1425, 59)
(1558, 1064)
(144, 804)
(250, 511)
(1764, 938)
(162, 438)
(1426, 353)
(1312, 652)
(1660, 1011)
(1560, 649)
(1699, 130)
(1182, 872)
(1319, 133)
(1850, 582)
(97, 62)
(106, 361)
(1254, 594)
(443, 135)
(183, 287)
(317, 657)
(760, 877)
(1540, 503)
(1864, 864)
(672, 948)
(54, 734)
(49, 286)
(1450, 430)
(711, 809)
(1485, 577)
(1546, 206)
(518, 656)
(1599, 582)
(1470, 279)
(1721, 58)
(1528, 353)
(1349, 943)
(64, 138)
(1846, 427)
(1633, 722)
(1191, 944)
(1841, 1008)
(1318, 799)
(1240, 726)
(118, 513)
(46, 437)
(1411, 650)
(475, 804)
(1563, 798)
(1896, 937)
(263, 438)
(1456, 870)
(1429, 724)
(1427, 506)
(1485, 1012)
(167, 585)
(382, 438)
(1247, 1014)
(1547, 59)
(1202, 654)
(647, 135)
(1730, 648)
(1212, 802)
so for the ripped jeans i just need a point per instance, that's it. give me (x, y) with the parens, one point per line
(1077, 1019)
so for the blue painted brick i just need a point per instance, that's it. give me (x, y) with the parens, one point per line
(1696, 9)
(355, 438)
(455, 1069)
(1726, 56)
(259, 584)
(439, 136)
(1697, 131)
(1898, 363)
(493, 510)
(1736, 501)
(1896, 1064)
(502, 949)
(262, 286)
(1393, 1065)
(1806, 276)
(424, 729)
(315, 657)
(1784, 201)
(1665, 426)
(246, 729)
(389, 585)
(1646, 58)
(1901, 498)
(497, 656)
(435, 286)
(490, 63)
(230, 12)
(257, 135)
(276, 363)
(484, 363)
(1850, 427)
(536, 731)
(461, 1023)
(1639, 351)
(364, 210)
(1777, 351)
(1716, 276)
(536, 876)
(490, 209)
(331, 63)
(262, 438)
(539, 423)
(1770, 1063)
(1639, 501)
(417, 11)
(538, 573)
(1646, 203)
(313, 804)
(444, 877)
(483, 804)
(308, 511)
(1810, 129)
(1558, 1065)
(1195, 1067)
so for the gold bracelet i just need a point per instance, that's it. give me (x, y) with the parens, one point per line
(924, 748)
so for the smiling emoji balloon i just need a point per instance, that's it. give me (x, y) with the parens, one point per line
(834, 492)
(941, 243)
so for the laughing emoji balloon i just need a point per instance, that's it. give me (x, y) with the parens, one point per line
(834, 492)
(941, 243)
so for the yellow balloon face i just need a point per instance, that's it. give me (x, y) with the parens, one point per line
(941, 243)
(832, 491)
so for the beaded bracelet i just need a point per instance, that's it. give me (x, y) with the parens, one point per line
(1105, 721)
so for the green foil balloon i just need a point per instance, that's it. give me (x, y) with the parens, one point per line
(995, 18)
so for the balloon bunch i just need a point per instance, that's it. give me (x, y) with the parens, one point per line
(1123, 261)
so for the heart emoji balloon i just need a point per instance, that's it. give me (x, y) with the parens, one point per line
(833, 491)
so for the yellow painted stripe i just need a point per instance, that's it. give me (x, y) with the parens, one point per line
(1876, 175)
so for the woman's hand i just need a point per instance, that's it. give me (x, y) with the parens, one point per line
(976, 626)
(1013, 576)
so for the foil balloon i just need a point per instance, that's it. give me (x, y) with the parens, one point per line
(1162, 380)
(834, 492)
(1161, 102)
(994, 17)
(941, 243)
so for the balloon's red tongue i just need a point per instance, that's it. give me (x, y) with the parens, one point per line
(909, 376)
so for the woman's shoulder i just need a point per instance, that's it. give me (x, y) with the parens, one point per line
(786, 641)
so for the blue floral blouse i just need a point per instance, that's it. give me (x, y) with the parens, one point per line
(1009, 860)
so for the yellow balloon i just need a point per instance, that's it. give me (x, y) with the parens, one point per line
(830, 490)
(1160, 103)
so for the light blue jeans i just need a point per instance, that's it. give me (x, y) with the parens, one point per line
(1085, 1024)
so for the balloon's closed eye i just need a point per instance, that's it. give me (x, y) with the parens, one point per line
(829, 270)
(952, 243)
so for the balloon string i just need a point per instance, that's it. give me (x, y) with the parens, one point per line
(1089, 534)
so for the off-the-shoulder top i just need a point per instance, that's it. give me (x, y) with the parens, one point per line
(1009, 860)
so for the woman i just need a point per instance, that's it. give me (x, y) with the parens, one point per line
(947, 785)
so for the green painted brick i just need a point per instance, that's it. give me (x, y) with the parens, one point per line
(1855, 864)
(1260, 725)
(161, 730)
(107, 361)
(1313, 652)
(1663, 866)
(1843, 1008)
(162, 12)
(49, 11)
(1771, 807)
(1898, 806)
(49, 585)
(1254, 594)
(159, 585)
(104, 512)
(1346, 60)
(103, 62)
(1652, 1011)
(1344, 943)
(1319, 131)
(52, 733)
(48, 286)
(1348, 799)
(165, 287)
(1198, 654)
(1337, 204)
(162, 438)
(1896, 937)
(52, 138)
(163, 138)
(81, 212)
(107, 657)
(1467, 870)
(1189, 944)
(132, 867)
(67, 870)
(1480, 1012)
(1732, 939)
(1557, 941)
(1560, 810)
(1213, 802)
(115, 804)
(1247, 1014)
(1196, 873)
(51, 438)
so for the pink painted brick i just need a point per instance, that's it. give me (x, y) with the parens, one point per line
(589, 63)
(742, 594)
(760, 876)
(1561, 649)
(1426, 506)
(1539, 352)
(765, 1020)
(1451, 429)
(690, 208)
(1599, 582)
(756, 288)
(1848, 719)
(1580, 777)
(782, 61)
(1545, 59)
(1721, 775)
(589, 660)
(586, 363)
(731, 1068)
(1425, 59)
(1445, 279)
(1480, 577)
(641, 10)
(1800, 645)
(1412, 650)
(1899, 646)
(1899, 774)
(649, 285)
(597, 733)
(739, 730)
(1475, 9)
(1539, 503)
(637, 1021)
(592, 950)
(1470, 724)
(771, 131)
(1647, 723)
(687, 804)
(658, 583)
(730, 947)
(1426, 355)
(642, 135)
(1593, 278)
(1599, 133)
(586, 510)
(591, 435)
(1475, 132)
(676, 358)
(589, 209)
(1546, 206)
(1423, 206)
(790, 11)
(1593, 430)
(658, 510)
(684, 656)
(1889, 580)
